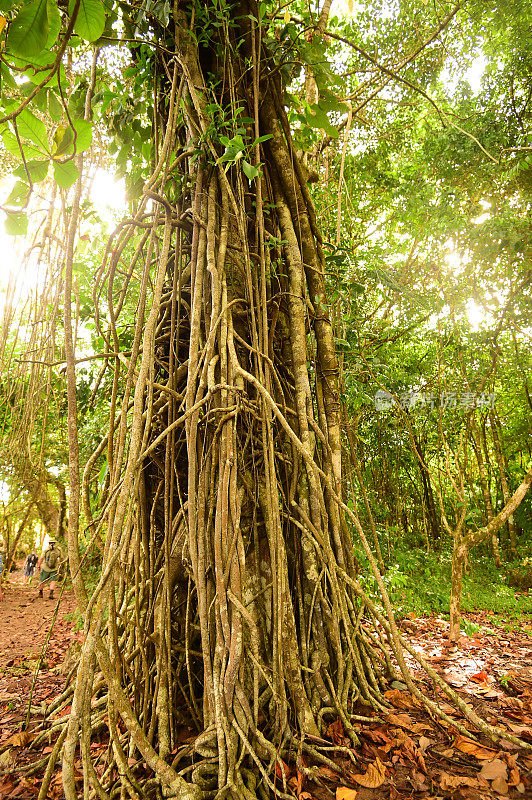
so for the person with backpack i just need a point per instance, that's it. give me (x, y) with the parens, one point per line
(29, 567)
(49, 564)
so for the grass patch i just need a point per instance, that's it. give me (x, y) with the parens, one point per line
(420, 583)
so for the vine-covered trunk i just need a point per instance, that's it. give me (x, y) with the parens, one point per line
(228, 602)
(228, 571)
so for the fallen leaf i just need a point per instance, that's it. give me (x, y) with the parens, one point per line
(409, 747)
(401, 699)
(455, 678)
(296, 783)
(280, 768)
(494, 769)
(373, 777)
(401, 720)
(328, 773)
(479, 677)
(418, 782)
(18, 740)
(514, 778)
(7, 760)
(500, 786)
(455, 781)
(336, 732)
(472, 748)
(424, 743)
(343, 793)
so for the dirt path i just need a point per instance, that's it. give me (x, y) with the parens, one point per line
(25, 620)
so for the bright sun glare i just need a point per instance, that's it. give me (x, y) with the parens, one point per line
(22, 270)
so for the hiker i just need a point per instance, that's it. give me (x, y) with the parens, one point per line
(29, 567)
(1, 570)
(48, 564)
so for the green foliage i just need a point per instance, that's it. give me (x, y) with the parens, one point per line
(419, 583)
(90, 21)
(34, 28)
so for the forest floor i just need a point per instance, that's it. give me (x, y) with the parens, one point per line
(406, 753)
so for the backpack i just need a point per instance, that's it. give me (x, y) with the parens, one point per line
(51, 558)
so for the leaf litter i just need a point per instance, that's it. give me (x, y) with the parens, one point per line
(405, 753)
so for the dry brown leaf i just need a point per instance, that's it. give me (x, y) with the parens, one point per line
(418, 781)
(401, 699)
(409, 747)
(18, 739)
(515, 777)
(401, 720)
(472, 748)
(328, 773)
(479, 677)
(373, 777)
(424, 743)
(500, 786)
(494, 769)
(296, 783)
(281, 768)
(452, 782)
(343, 793)
(336, 732)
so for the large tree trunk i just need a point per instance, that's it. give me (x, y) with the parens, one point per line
(226, 511)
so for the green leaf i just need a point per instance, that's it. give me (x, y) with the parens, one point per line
(18, 195)
(39, 100)
(55, 108)
(64, 138)
(54, 23)
(65, 174)
(16, 224)
(29, 127)
(249, 170)
(317, 118)
(262, 139)
(28, 32)
(7, 78)
(83, 134)
(90, 21)
(38, 171)
(37, 64)
(329, 102)
(12, 146)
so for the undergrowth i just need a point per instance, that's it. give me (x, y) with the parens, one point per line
(419, 583)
